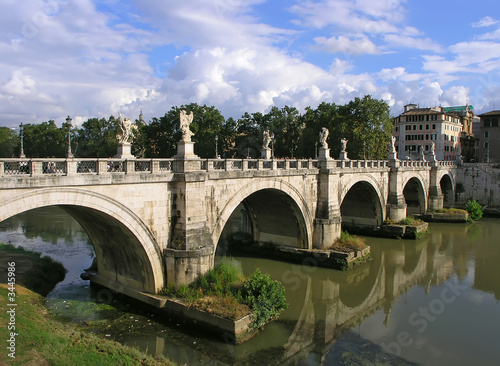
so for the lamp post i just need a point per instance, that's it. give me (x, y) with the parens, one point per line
(68, 122)
(216, 147)
(21, 129)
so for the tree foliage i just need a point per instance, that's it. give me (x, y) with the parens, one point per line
(9, 143)
(364, 122)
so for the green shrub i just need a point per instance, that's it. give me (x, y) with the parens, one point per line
(266, 297)
(474, 209)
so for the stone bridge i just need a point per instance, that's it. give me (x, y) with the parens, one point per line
(154, 222)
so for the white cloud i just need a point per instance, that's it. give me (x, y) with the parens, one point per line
(357, 46)
(407, 41)
(485, 22)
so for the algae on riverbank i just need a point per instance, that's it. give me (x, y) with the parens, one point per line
(41, 340)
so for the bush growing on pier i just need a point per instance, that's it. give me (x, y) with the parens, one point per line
(266, 297)
(348, 243)
(474, 209)
(225, 292)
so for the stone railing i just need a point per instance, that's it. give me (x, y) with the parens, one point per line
(257, 164)
(45, 167)
(362, 164)
(413, 163)
(41, 167)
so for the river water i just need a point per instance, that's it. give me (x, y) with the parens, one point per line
(433, 301)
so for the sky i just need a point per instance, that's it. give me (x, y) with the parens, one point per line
(89, 58)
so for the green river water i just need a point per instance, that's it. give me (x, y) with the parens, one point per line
(433, 301)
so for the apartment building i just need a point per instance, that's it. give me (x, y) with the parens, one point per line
(417, 129)
(489, 137)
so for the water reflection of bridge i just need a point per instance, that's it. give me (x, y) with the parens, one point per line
(338, 306)
(333, 302)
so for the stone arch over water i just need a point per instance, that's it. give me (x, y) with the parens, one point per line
(276, 211)
(128, 257)
(448, 190)
(415, 197)
(361, 206)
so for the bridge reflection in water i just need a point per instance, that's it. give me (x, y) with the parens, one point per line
(376, 300)
(324, 304)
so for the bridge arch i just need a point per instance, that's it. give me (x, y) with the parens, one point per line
(447, 189)
(128, 257)
(355, 207)
(415, 196)
(280, 199)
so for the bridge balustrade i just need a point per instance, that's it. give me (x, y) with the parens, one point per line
(37, 167)
(256, 164)
(362, 164)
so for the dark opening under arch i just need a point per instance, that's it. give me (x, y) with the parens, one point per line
(414, 197)
(266, 216)
(361, 208)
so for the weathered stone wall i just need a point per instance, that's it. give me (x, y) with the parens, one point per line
(479, 181)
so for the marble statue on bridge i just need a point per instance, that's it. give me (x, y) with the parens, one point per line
(126, 127)
(185, 121)
(323, 135)
(343, 147)
(266, 140)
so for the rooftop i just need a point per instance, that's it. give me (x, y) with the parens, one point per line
(491, 113)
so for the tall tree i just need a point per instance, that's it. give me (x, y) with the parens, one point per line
(97, 138)
(287, 127)
(9, 143)
(45, 140)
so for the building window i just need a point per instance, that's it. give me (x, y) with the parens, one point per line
(421, 127)
(487, 134)
(494, 122)
(433, 126)
(487, 122)
(414, 127)
(427, 127)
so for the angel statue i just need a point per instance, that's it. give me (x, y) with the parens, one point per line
(126, 127)
(186, 120)
(343, 144)
(323, 135)
(266, 137)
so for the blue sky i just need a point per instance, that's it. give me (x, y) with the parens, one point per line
(88, 58)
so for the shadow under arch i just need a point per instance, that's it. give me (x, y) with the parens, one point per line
(414, 195)
(276, 210)
(361, 208)
(448, 191)
(128, 257)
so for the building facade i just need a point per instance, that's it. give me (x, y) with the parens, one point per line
(489, 137)
(417, 129)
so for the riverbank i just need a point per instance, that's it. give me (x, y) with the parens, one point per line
(41, 340)
(37, 273)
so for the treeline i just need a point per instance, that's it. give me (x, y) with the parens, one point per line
(365, 122)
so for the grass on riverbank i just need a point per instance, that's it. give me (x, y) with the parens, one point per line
(39, 274)
(349, 243)
(42, 340)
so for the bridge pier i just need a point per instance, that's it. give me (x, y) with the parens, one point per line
(436, 197)
(328, 221)
(396, 204)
